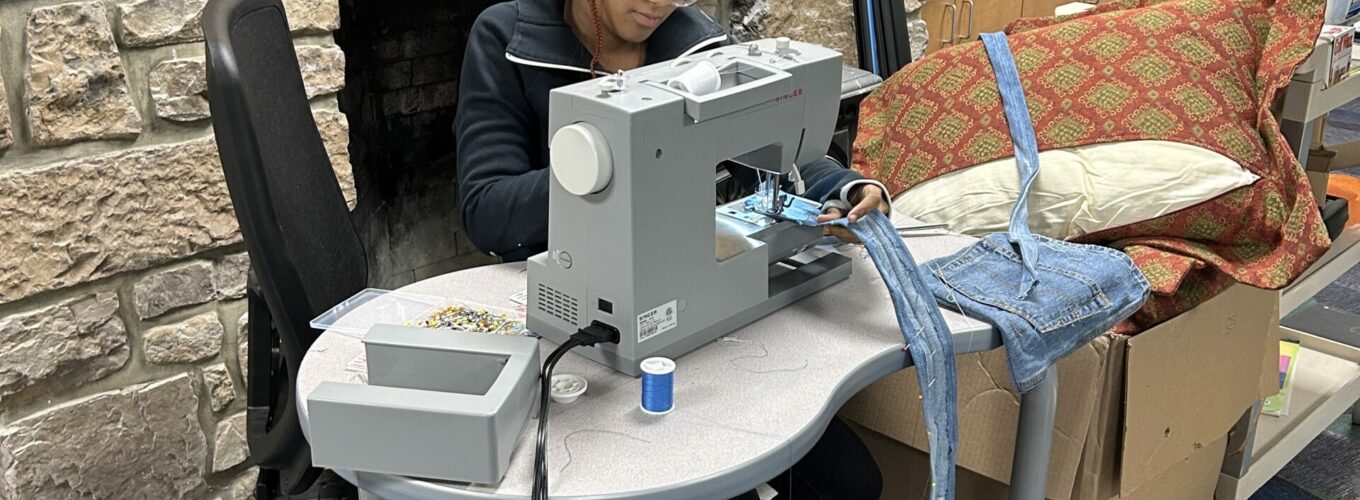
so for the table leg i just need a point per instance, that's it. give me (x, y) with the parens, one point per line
(1034, 439)
(1242, 443)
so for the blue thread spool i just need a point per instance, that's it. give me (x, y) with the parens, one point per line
(658, 386)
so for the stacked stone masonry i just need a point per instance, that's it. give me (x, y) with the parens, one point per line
(826, 22)
(81, 339)
(99, 216)
(122, 273)
(230, 444)
(180, 86)
(195, 339)
(217, 381)
(77, 88)
(150, 23)
(180, 89)
(143, 441)
(6, 132)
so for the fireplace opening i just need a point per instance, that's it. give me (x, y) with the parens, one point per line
(403, 62)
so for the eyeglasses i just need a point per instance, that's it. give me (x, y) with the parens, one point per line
(684, 3)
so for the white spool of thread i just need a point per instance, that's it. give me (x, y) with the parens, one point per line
(701, 79)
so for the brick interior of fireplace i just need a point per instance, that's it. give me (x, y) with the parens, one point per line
(403, 62)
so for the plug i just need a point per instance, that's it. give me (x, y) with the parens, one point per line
(597, 333)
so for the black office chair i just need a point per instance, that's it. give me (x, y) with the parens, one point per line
(305, 255)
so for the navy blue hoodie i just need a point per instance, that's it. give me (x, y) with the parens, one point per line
(517, 52)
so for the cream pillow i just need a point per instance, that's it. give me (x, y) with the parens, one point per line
(1079, 190)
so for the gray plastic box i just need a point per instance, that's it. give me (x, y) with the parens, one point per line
(440, 404)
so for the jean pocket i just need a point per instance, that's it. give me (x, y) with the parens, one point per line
(990, 273)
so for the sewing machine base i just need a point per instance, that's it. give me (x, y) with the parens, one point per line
(787, 285)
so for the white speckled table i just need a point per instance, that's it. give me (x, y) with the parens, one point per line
(747, 406)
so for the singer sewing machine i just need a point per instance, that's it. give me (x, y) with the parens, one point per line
(634, 236)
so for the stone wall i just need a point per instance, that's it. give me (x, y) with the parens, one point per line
(826, 22)
(122, 274)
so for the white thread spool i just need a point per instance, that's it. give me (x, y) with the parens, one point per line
(701, 79)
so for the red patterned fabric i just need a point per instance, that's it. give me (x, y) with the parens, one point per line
(1200, 72)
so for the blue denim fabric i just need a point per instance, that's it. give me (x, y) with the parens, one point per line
(929, 342)
(1047, 297)
(1026, 152)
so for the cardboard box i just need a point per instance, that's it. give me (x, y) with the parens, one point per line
(1338, 41)
(906, 473)
(1129, 408)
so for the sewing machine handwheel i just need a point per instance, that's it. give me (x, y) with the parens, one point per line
(580, 157)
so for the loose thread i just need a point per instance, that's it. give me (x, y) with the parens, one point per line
(764, 354)
(567, 447)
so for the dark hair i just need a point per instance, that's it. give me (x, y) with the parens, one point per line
(599, 37)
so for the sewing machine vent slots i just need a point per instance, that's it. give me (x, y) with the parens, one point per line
(558, 304)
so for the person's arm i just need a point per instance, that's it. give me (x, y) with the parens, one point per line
(835, 186)
(503, 199)
(844, 193)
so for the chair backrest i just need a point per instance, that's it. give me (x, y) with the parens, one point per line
(305, 253)
(881, 36)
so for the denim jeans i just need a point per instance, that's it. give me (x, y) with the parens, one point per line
(1046, 297)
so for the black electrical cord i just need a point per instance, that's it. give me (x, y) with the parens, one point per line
(540, 449)
(595, 333)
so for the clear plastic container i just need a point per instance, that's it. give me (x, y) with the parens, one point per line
(473, 317)
(356, 315)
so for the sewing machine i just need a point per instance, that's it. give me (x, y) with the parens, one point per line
(635, 241)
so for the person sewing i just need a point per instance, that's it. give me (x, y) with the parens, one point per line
(517, 52)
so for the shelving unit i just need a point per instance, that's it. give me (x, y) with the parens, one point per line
(1327, 377)
(1326, 382)
(1308, 97)
(1344, 254)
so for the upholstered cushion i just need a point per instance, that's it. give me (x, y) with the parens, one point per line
(1198, 72)
(1079, 190)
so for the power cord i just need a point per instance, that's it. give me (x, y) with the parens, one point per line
(596, 333)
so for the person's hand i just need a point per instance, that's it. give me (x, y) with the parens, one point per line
(865, 197)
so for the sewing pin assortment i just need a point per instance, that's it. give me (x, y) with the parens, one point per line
(473, 320)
